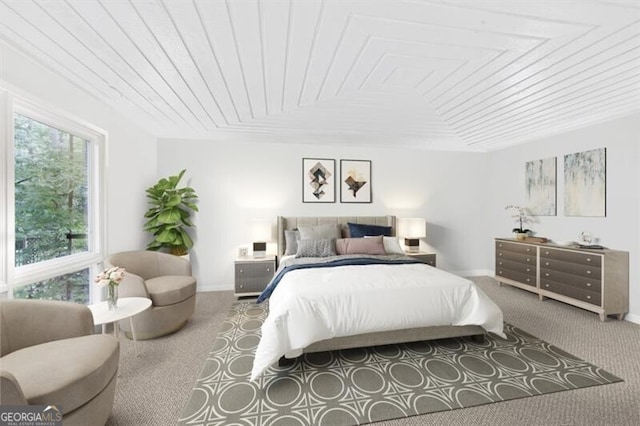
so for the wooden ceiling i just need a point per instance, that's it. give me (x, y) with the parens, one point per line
(453, 75)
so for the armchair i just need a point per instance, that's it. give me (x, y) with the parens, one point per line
(166, 280)
(49, 356)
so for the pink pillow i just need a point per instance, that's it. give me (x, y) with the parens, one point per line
(360, 246)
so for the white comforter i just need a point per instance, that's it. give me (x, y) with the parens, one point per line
(310, 305)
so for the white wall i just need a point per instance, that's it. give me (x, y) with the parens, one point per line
(620, 229)
(240, 182)
(131, 152)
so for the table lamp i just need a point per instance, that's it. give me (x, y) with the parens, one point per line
(413, 229)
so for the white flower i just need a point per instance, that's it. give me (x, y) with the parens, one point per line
(110, 276)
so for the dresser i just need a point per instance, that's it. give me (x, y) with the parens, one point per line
(253, 274)
(424, 257)
(595, 280)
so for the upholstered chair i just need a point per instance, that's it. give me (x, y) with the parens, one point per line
(166, 280)
(49, 355)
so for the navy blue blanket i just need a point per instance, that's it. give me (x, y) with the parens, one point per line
(332, 263)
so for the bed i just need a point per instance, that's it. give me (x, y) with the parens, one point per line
(342, 301)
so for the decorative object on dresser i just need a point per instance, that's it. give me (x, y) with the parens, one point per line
(253, 275)
(521, 216)
(540, 180)
(412, 229)
(585, 183)
(593, 279)
(355, 181)
(318, 180)
(424, 257)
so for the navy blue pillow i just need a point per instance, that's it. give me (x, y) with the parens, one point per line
(360, 230)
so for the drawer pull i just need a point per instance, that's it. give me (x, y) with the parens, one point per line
(588, 297)
(499, 263)
(528, 249)
(241, 285)
(546, 252)
(528, 280)
(528, 270)
(268, 269)
(588, 284)
(589, 272)
(500, 272)
(241, 270)
(546, 285)
(500, 245)
(588, 259)
(528, 259)
(546, 263)
(499, 254)
(546, 275)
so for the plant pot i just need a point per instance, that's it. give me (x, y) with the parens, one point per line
(521, 236)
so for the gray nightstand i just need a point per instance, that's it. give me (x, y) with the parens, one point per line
(424, 257)
(253, 274)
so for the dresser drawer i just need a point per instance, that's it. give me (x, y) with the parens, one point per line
(581, 269)
(521, 268)
(516, 276)
(253, 276)
(515, 247)
(571, 256)
(526, 259)
(591, 297)
(578, 281)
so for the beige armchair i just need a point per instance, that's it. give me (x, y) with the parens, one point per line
(50, 356)
(166, 280)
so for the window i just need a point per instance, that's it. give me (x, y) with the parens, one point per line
(53, 211)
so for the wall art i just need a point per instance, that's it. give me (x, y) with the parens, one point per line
(355, 181)
(585, 183)
(540, 186)
(318, 180)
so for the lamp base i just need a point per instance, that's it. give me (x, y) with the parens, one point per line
(412, 244)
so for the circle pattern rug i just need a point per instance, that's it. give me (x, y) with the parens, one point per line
(358, 386)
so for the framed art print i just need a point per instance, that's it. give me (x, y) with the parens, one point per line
(585, 183)
(540, 177)
(355, 181)
(318, 180)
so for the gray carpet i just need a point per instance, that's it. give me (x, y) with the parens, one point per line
(360, 386)
(154, 388)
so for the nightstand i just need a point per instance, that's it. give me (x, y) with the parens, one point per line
(252, 274)
(424, 257)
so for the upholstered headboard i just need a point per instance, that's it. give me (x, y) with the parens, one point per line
(291, 223)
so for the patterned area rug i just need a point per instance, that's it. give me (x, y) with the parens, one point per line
(358, 386)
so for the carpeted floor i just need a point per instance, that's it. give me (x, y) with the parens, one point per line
(365, 385)
(154, 388)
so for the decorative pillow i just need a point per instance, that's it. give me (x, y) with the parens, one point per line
(316, 248)
(359, 230)
(391, 245)
(291, 242)
(320, 232)
(373, 245)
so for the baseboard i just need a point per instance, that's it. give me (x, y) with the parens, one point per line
(475, 273)
(632, 318)
(206, 288)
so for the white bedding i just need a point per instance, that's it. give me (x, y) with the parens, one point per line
(310, 305)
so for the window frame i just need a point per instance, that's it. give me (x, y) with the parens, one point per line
(12, 277)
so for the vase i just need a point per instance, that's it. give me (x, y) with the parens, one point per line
(112, 297)
(521, 236)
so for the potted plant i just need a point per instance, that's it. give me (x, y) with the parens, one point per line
(521, 216)
(169, 216)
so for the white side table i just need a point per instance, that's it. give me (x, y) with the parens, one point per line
(127, 308)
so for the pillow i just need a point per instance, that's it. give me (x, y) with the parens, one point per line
(291, 242)
(371, 245)
(359, 230)
(316, 248)
(320, 232)
(391, 245)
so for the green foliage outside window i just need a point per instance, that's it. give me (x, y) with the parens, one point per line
(51, 204)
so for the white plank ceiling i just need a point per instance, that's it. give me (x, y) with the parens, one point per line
(455, 75)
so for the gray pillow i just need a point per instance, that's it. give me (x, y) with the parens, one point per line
(316, 248)
(291, 242)
(320, 232)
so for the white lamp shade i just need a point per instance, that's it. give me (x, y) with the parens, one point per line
(260, 231)
(412, 227)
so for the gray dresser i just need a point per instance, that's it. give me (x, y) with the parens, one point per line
(595, 280)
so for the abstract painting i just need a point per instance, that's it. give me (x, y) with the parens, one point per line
(318, 180)
(585, 183)
(355, 181)
(540, 177)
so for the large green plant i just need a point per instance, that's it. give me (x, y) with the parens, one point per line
(169, 215)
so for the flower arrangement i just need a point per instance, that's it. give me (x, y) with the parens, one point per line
(521, 216)
(110, 277)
